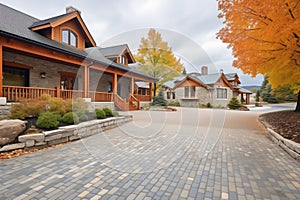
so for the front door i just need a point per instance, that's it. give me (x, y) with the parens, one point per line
(67, 81)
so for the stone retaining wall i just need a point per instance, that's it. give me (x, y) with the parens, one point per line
(66, 133)
(289, 146)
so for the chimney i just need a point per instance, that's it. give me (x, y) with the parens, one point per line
(221, 71)
(70, 9)
(204, 70)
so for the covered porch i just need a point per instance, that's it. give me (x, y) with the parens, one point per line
(30, 71)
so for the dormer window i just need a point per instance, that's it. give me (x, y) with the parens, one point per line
(69, 37)
(122, 60)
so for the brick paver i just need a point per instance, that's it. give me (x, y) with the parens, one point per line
(189, 154)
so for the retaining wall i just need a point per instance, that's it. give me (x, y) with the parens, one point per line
(66, 133)
(289, 146)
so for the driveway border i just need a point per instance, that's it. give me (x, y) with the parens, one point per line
(289, 146)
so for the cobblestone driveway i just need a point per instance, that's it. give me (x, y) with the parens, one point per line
(189, 154)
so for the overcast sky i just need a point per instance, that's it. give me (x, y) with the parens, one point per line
(189, 26)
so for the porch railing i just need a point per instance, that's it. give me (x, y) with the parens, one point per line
(101, 96)
(142, 97)
(69, 94)
(134, 101)
(14, 93)
(120, 103)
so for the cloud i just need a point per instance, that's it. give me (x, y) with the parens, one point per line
(112, 22)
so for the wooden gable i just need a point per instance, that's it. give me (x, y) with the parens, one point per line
(188, 81)
(223, 82)
(126, 53)
(71, 21)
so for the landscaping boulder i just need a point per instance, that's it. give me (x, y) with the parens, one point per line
(10, 129)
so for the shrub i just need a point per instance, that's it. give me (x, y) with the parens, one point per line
(82, 116)
(234, 103)
(108, 112)
(116, 114)
(174, 103)
(70, 118)
(17, 111)
(208, 105)
(100, 114)
(159, 100)
(48, 120)
(80, 105)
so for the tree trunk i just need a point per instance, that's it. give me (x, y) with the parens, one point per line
(154, 90)
(298, 103)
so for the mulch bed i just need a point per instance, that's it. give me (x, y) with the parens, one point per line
(285, 123)
(19, 152)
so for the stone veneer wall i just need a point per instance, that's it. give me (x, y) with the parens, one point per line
(66, 133)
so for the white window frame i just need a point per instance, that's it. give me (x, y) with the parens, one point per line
(223, 89)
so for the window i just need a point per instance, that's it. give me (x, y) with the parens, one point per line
(186, 91)
(13, 76)
(221, 93)
(189, 91)
(192, 91)
(122, 60)
(173, 95)
(168, 95)
(69, 37)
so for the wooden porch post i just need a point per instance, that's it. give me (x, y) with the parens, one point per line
(247, 98)
(132, 86)
(150, 88)
(115, 83)
(1, 69)
(85, 81)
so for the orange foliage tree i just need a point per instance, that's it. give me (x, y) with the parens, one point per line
(265, 38)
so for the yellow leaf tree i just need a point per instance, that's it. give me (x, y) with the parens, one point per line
(157, 59)
(265, 38)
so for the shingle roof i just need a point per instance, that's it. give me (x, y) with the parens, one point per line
(49, 20)
(16, 24)
(243, 90)
(230, 76)
(209, 78)
(113, 50)
(142, 85)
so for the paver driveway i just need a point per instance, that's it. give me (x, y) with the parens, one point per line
(188, 154)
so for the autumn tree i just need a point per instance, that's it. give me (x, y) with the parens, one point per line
(265, 38)
(157, 59)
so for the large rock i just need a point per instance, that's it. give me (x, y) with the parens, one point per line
(10, 129)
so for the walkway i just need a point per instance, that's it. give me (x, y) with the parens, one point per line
(188, 154)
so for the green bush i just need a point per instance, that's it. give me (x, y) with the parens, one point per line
(159, 100)
(108, 112)
(234, 103)
(70, 118)
(208, 105)
(82, 116)
(100, 114)
(174, 103)
(48, 120)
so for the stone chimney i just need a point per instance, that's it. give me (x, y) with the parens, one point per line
(204, 70)
(70, 9)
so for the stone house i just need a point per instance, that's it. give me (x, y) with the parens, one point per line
(193, 89)
(58, 56)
